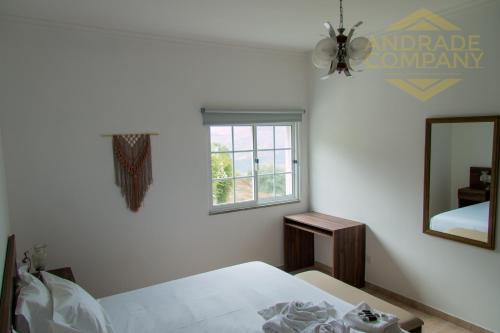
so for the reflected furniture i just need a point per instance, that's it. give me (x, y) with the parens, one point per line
(460, 182)
(468, 196)
(348, 237)
(478, 191)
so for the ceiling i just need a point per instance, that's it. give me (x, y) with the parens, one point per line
(279, 24)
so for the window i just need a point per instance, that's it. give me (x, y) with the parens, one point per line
(253, 165)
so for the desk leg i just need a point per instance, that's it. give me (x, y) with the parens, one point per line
(349, 255)
(299, 248)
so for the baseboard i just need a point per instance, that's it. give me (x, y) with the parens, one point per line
(323, 268)
(412, 303)
(317, 266)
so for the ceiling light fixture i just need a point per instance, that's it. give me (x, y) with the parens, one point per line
(339, 52)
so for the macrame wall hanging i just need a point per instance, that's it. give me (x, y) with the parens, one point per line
(133, 169)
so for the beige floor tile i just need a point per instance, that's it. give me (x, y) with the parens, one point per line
(432, 324)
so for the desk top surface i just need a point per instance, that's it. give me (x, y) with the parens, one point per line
(323, 221)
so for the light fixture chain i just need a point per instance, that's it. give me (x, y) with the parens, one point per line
(341, 15)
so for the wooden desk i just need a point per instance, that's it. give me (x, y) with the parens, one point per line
(348, 238)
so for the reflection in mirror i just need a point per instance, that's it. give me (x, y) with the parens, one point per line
(460, 162)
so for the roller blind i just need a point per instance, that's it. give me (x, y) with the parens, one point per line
(235, 117)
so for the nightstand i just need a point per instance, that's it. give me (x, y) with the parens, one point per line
(64, 272)
(468, 196)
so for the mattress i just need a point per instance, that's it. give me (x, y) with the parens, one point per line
(224, 300)
(474, 217)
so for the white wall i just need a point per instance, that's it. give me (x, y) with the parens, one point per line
(4, 214)
(367, 164)
(61, 89)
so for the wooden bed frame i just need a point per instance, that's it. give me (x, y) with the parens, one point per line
(9, 294)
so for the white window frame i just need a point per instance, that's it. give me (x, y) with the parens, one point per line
(256, 203)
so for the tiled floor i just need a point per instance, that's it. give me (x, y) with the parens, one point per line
(432, 324)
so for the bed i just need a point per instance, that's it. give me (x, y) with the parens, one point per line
(224, 300)
(470, 220)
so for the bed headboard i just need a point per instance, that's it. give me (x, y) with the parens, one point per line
(475, 175)
(8, 297)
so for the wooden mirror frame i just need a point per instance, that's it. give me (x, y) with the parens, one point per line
(490, 244)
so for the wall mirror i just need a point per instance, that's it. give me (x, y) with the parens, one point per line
(461, 167)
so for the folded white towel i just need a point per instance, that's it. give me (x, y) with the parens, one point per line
(333, 326)
(385, 323)
(294, 317)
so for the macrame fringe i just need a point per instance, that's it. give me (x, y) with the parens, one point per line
(133, 167)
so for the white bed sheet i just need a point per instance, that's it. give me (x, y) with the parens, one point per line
(224, 300)
(474, 217)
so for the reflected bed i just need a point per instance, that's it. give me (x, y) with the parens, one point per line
(469, 222)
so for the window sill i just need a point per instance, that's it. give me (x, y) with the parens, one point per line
(270, 204)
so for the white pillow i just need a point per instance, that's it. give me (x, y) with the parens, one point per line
(34, 305)
(25, 277)
(74, 310)
(60, 328)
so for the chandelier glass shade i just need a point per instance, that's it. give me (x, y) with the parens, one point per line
(339, 52)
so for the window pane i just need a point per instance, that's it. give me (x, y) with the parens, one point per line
(221, 138)
(244, 189)
(289, 184)
(237, 181)
(243, 138)
(266, 162)
(284, 160)
(284, 185)
(266, 187)
(222, 165)
(283, 136)
(265, 137)
(222, 192)
(243, 164)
